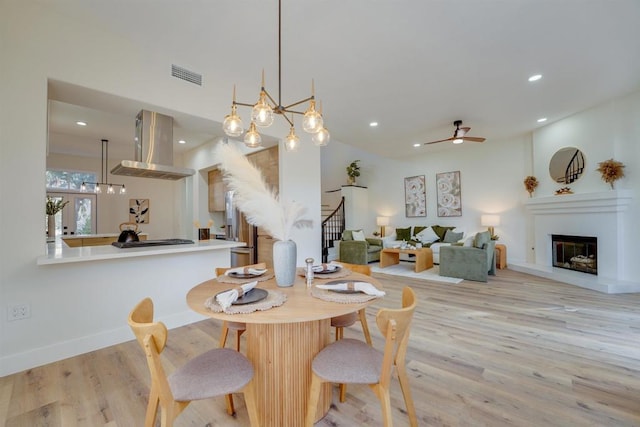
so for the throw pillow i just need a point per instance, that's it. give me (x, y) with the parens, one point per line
(347, 235)
(403, 233)
(440, 231)
(482, 239)
(358, 235)
(452, 237)
(427, 235)
(417, 229)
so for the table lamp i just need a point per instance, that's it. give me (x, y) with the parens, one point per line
(382, 222)
(490, 221)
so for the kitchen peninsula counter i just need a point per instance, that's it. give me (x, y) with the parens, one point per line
(59, 253)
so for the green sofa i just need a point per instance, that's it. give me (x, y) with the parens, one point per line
(359, 251)
(475, 262)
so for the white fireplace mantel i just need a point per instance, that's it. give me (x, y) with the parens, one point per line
(600, 215)
(583, 203)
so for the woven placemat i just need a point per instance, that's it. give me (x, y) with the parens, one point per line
(327, 295)
(228, 279)
(343, 272)
(273, 299)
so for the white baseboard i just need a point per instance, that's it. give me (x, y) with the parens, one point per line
(18, 362)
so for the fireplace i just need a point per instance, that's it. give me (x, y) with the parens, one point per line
(577, 253)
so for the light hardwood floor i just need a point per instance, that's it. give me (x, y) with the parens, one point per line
(517, 351)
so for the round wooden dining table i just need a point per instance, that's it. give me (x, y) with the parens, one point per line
(281, 344)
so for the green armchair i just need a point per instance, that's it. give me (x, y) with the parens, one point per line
(359, 251)
(475, 262)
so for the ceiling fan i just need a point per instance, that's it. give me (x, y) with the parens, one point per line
(459, 135)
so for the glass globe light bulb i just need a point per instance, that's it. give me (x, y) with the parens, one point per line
(252, 139)
(232, 124)
(98, 189)
(110, 189)
(312, 121)
(262, 113)
(83, 187)
(123, 190)
(321, 138)
(291, 141)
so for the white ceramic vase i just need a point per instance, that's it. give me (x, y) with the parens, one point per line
(284, 262)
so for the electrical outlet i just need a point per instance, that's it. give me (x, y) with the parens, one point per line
(18, 311)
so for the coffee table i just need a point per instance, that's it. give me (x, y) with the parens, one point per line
(391, 256)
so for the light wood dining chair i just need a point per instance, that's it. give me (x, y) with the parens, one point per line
(239, 327)
(353, 361)
(214, 373)
(346, 320)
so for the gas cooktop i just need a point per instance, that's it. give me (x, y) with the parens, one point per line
(143, 243)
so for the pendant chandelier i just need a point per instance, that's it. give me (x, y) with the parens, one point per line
(97, 186)
(262, 113)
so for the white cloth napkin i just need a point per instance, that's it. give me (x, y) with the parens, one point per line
(365, 287)
(225, 299)
(325, 267)
(246, 270)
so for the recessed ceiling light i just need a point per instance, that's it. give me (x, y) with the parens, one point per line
(182, 141)
(542, 119)
(417, 145)
(81, 123)
(373, 124)
(535, 77)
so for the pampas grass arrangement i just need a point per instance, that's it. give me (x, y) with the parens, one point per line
(610, 171)
(260, 205)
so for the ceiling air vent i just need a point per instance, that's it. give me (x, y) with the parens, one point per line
(186, 75)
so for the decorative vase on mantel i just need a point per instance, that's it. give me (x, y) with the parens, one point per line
(284, 262)
(351, 180)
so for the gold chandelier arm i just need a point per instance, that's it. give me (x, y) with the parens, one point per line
(287, 118)
(298, 103)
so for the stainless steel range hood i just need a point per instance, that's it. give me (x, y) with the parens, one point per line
(153, 151)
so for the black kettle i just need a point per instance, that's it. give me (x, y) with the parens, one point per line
(128, 232)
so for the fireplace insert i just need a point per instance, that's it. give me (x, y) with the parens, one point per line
(579, 253)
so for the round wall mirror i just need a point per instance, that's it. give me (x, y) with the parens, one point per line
(566, 165)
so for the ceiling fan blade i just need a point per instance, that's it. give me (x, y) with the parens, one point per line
(440, 140)
(474, 139)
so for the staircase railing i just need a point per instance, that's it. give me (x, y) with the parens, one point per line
(332, 228)
(574, 168)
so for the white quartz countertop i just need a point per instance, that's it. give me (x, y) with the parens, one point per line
(59, 253)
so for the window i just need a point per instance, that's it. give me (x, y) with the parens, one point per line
(61, 180)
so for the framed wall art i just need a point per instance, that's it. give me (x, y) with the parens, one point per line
(449, 196)
(415, 196)
(139, 211)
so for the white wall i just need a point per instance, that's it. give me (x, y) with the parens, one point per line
(491, 179)
(611, 130)
(49, 41)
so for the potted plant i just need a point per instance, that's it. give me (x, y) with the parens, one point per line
(51, 208)
(353, 171)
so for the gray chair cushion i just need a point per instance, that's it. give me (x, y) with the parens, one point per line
(214, 373)
(348, 361)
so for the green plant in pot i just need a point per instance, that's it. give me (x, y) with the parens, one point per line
(353, 171)
(51, 208)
